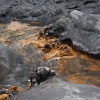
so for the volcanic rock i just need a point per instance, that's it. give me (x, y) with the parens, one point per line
(81, 29)
(56, 88)
(74, 21)
(11, 66)
(27, 10)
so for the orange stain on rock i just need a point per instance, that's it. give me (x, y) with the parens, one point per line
(4, 96)
(52, 48)
(73, 66)
(72, 70)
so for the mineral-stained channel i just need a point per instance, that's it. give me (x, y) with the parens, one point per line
(63, 35)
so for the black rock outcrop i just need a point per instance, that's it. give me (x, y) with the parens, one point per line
(82, 29)
(28, 10)
(77, 21)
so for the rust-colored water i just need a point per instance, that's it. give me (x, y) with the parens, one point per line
(73, 66)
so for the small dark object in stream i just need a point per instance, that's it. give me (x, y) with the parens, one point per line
(47, 46)
(41, 74)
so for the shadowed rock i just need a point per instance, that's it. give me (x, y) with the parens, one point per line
(27, 10)
(81, 29)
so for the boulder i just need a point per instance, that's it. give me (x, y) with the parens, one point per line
(61, 25)
(4, 61)
(58, 89)
(41, 74)
(86, 21)
(27, 10)
(81, 29)
(44, 10)
(12, 66)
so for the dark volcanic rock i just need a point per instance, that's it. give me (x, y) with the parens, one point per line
(4, 69)
(17, 58)
(56, 29)
(86, 21)
(11, 67)
(42, 74)
(58, 89)
(82, 29)
(45, 11)
(29, 10)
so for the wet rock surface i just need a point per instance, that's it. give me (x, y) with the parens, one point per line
(58, 89)
(31, 10)
(76, 22)
(10, 63)
(17, 53)
(32, 49)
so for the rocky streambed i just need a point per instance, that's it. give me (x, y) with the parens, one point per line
(25, 48)
(62, 35)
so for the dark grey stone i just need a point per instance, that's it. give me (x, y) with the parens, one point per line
(43, 10)
(81, 29)
(41, 74)
(12, 66)
(28, 10)
(58, 89)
